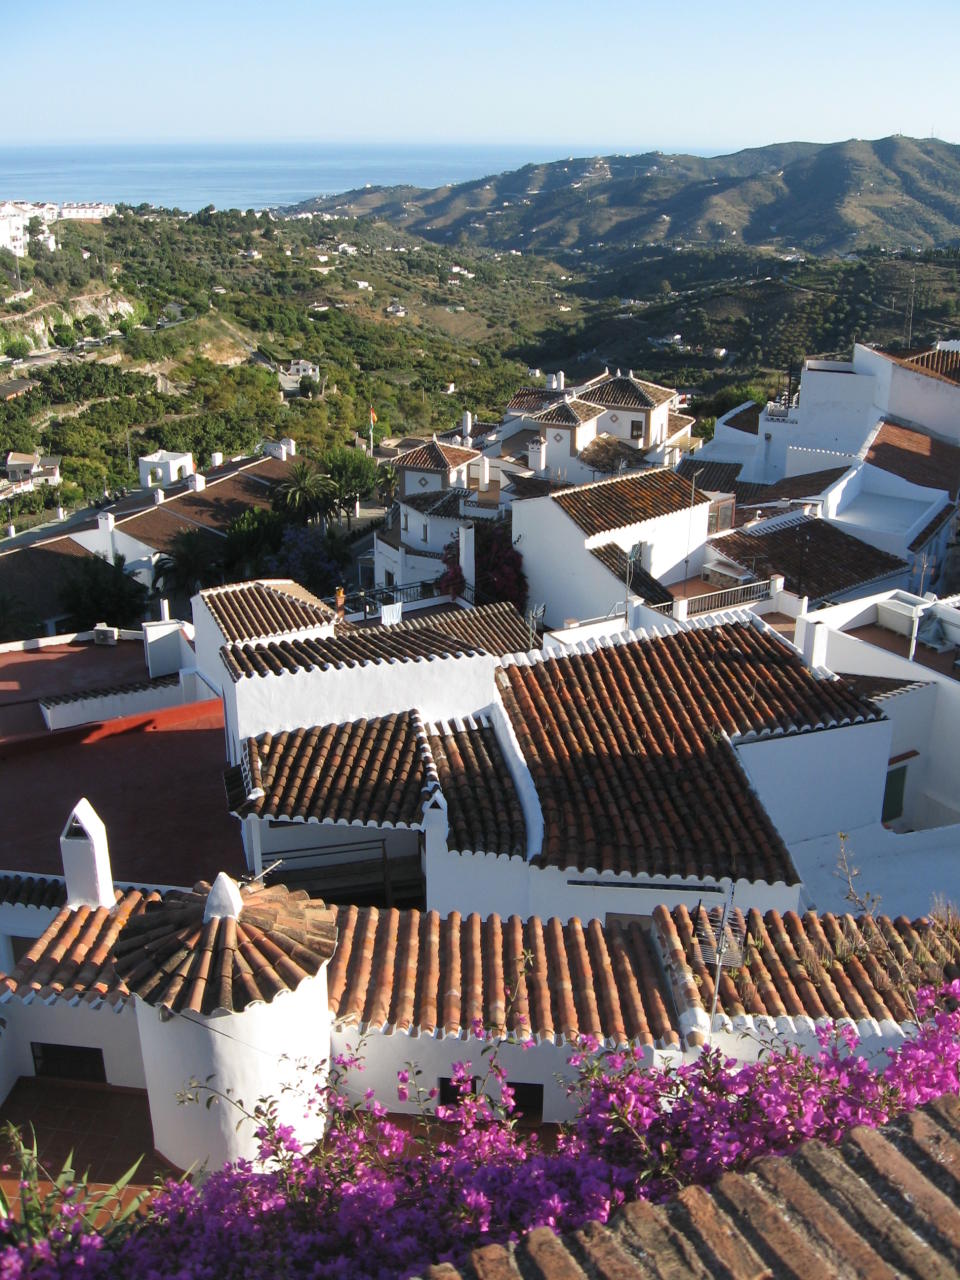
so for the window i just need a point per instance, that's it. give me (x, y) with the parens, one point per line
(388, 578)
(527, 1101)
(423, 534)
(636, 429)
(448, 1094)
(69, 1062)
(893, 794)
(406, 521)
(720, 515)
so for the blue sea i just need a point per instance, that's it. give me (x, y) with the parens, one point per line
(246, 176)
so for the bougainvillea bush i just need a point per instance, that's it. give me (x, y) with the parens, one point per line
(377, 1199)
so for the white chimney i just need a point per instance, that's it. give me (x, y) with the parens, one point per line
(290, 446)
(484, 472)
(551, 382)
(105, 522)
(560, 380)
(537, 455)
(216, 458)
(224, 900)
(158, 496)
(466, 429)
(196, 482)
(86, 859)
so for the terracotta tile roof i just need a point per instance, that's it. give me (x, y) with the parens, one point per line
(679, 422)
(885, 1202)
(612, 504)
(255, 610)
(34, 576)
(615, 391)
(434, 456)
(809, 485)
(917, 457)
(934, 525)
(381, 772)
(606, 453)
(530, 486)
(532, 399)
(642, 583)
(568, 413)
(170, 957)
(483, 808)
(160, 526)
(494, 628)
(876, 688)
(815, 557)
(444, 505)
(73, 958)
(32, 891)
(944, 365)
(420, 973)
(813, 966)
(135, 686)
(714, 477)
(375, 771)
(230, 490)
(627, 745)
(746, 419)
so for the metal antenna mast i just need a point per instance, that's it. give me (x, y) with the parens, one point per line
(721, 940)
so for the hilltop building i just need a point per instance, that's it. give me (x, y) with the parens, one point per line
(609, 424)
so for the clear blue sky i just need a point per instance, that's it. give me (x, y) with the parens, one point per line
(593, 75)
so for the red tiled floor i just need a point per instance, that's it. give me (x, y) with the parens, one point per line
(105, 1128)
(61, 669)
(156, 781)
(893, 642)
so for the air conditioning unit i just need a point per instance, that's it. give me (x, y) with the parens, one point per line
(102, 634)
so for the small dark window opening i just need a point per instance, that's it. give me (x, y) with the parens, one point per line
(69, 1062)
(527, 1101)
(636, 429)
(893, 793)
(449, 1093)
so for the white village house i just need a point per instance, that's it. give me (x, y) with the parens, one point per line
(268, 984)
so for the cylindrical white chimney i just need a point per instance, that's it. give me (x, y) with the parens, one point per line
(560, 380)
(216, 459)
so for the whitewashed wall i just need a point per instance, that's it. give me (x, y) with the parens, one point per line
(114, 1032)
(440, 688)
(253, 1054)
(815, 783)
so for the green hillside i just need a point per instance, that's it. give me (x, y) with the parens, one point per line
(892, 193)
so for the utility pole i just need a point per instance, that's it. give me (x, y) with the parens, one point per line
(908, 326)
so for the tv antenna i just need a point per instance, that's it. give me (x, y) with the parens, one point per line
(633, 555)
(534, 621)
(722, 943)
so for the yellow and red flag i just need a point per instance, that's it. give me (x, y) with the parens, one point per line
(373, 416)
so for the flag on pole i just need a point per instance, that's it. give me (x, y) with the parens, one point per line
(373, 416)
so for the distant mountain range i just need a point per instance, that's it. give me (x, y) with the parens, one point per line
(895, 192)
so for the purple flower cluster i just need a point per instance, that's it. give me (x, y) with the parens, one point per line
(379, 1198)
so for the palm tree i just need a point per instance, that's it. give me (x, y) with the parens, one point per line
(189, 566)
(306, 494)
(387, 484)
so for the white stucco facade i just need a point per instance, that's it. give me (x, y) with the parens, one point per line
(277, 1050)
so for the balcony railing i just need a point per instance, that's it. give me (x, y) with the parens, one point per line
(728, 599)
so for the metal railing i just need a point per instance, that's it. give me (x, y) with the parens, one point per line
(728, 599)
(666, 607)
